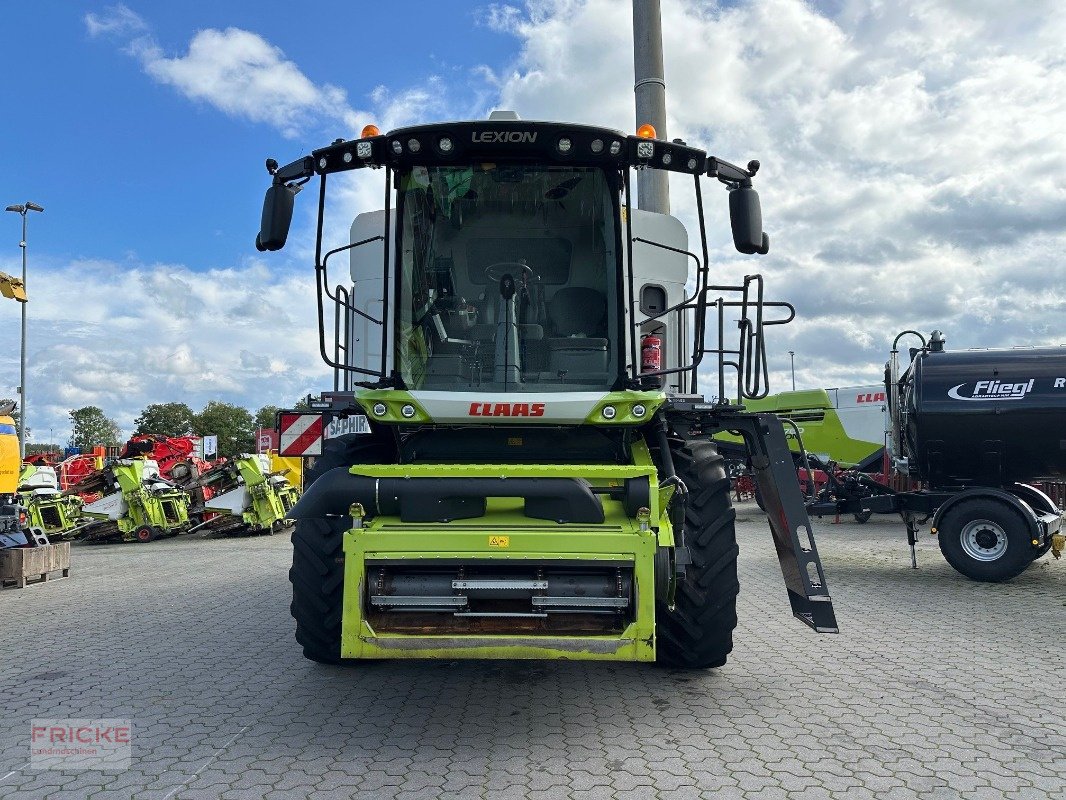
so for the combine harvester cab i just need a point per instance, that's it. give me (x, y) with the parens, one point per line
(520, 462)
(138, 505)
(57, 514)
(245, 490)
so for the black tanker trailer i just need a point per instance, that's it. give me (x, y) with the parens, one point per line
(973, 427)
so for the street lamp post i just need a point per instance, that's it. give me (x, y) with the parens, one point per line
(23, 210)
(792, 358)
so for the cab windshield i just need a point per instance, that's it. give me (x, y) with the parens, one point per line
(508, 279)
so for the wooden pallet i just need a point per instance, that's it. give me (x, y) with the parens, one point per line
(19, 564)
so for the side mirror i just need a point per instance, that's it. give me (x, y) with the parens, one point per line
(745, 218)
(277, 216)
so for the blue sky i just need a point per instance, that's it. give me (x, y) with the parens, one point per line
(126, 166)
(914, 168)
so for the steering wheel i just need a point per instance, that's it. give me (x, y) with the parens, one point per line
(495, 272)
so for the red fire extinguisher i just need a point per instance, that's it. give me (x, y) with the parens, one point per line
(651, 353)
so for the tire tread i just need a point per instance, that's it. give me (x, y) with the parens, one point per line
(698, 632)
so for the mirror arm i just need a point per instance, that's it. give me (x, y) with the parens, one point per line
(302, 169)
(730, 173)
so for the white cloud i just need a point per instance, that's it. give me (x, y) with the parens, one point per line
(147, 333)
(913, 168)
(242, 74)
(913, 177)
(115, 20)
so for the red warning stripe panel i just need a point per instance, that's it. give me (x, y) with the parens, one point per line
(301, 435)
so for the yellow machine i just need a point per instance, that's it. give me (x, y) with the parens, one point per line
(288, 466)
(13, 288)
(14, 530)
(10, 462)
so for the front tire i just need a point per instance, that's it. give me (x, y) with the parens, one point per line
(698, 632)
(317, 577)
(985, 540)
(317, 573)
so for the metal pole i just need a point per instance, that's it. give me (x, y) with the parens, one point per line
(653, 187)
(792, 358)
(22, 364)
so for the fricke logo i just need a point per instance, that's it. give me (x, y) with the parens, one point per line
(993, 390)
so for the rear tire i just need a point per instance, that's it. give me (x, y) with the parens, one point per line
(985, 540)
(698, 632)
(317, 578)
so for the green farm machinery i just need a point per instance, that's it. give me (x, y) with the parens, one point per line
(246, 495)
(522, 463)
(56, 513)
(137, 504)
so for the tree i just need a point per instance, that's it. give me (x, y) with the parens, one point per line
(265, 417)
(92, 428)
(33, 449)
(232, 425)
(166, 419)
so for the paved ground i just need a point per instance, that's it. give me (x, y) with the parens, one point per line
(937, 688)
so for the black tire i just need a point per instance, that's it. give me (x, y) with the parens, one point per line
(317, 573)
(317, 578)
(863, 517)
(758, 499)
(985, 540)
(146, 533)
(698, 632)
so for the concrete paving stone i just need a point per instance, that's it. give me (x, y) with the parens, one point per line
(936, 688)
(596, 793)
(638, 793)
(1028, 793)
(465, 793)
(581, 780)
(726, 793)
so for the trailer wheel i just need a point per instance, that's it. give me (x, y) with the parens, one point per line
(317, 578)
(698, 632)
(146, 533)
(985, 540)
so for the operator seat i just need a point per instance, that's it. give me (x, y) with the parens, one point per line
(578, 344)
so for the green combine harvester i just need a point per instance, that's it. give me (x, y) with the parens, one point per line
(846, 426)
(247, 494)
(59, 515)
(525, 466)
(137, 506)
